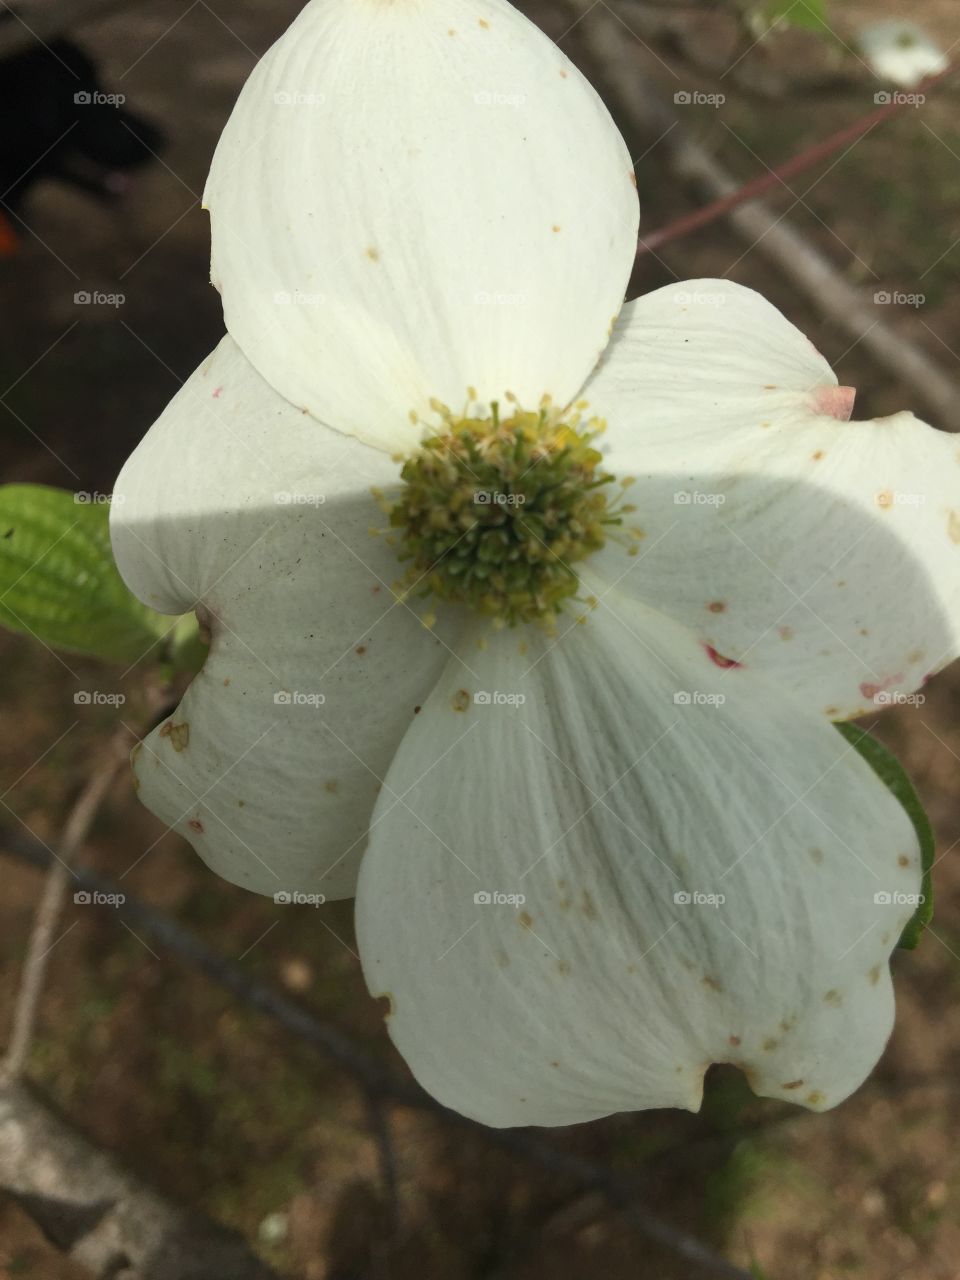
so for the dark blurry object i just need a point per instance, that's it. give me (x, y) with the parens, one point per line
(58, 123)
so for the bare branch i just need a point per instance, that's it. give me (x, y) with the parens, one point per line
(102, 1216)
(42, 942)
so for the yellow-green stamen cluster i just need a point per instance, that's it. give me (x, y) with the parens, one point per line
(496, 512)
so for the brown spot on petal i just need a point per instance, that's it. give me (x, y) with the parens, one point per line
(555, 229)
(953, 527)
(360, 650)
(874, 975)
(526, 919)
(833, 996)
(792, 1084)
(460, 700)
(712, 983)
(331, 785)
(391, 1004)
(485, 24)
(588, 906)
(903, 860)
(815, 1098)
(817, 456)
(817, 855)
(179, 735)
(716, 606)
(373, 253)
(734, 1040)
(770, 1044)
(196, 825)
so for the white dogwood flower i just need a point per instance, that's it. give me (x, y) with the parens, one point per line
(605, 831)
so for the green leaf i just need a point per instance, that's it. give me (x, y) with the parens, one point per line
(891, 774)
(58, 580)
(808, 15)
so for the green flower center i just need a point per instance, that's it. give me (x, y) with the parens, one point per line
(496, 513)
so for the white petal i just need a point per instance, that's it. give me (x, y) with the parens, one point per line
(902, 53)
(600, 798)
(822, 551)
(237, 502)
(410, 199)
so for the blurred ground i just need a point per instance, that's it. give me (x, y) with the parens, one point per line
(213, 1103)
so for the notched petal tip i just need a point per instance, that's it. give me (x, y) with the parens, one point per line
(835, 402)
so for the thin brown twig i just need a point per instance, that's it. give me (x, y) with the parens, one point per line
(49, 909)
(383, 1136)
(765, 231)
(777, 177)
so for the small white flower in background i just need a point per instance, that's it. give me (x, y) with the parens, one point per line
(901, 53)
(608, 832)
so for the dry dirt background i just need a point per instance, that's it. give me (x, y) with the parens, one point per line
(212, 1102)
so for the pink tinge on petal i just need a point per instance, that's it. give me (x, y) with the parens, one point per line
(835, 402)
(873, 692)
